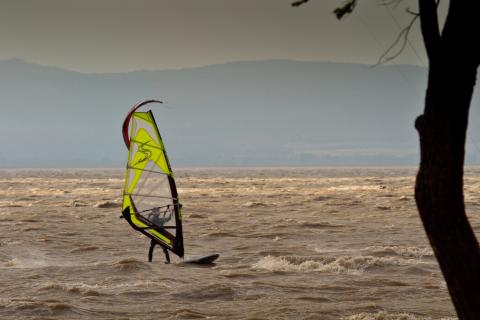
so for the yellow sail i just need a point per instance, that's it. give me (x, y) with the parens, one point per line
(150, 199)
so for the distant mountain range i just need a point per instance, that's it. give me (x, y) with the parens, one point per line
(259, 113)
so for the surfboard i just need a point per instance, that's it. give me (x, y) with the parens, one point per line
(209, 259)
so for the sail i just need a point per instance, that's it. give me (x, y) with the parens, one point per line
(150, 199)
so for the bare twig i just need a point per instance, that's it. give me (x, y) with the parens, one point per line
(395, 3)
(413, 13)
(401, 38)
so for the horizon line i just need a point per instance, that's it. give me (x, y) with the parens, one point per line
(64, 69)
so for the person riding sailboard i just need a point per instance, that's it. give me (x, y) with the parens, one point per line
(150, 199)
(154, 216)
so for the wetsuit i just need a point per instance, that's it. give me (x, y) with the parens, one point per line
(158, 221)
(153, 243)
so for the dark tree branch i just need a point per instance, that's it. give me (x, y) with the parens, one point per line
(347, 7)
(429, 26)
(299, 3)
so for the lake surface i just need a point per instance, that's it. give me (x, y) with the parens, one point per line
(301, 243)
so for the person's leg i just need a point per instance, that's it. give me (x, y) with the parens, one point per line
(167, 255)
(150, 251)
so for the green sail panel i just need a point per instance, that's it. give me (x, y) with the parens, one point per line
(150, 198)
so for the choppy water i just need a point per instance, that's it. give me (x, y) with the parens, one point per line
(294, 243)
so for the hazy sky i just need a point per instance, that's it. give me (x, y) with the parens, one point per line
(123, 35)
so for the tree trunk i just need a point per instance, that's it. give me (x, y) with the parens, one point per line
(439, 185)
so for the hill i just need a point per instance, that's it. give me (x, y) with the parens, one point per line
(240, 113)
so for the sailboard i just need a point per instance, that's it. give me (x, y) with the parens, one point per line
(150, 199)
(209, 259)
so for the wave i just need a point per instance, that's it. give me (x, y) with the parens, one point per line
(84, 249)
(73, 288)
(379, 251)
(344, 265)
(84, 289)
(30, 229)
(195, 215)
(35, 261)
(51, 306)
(75, 204)
(9, 242)
(240, 273)
(252, 204)
(26, 263)
(219, 234)
(130, 264)
(108, 204)
(383, 315)
(403, 251)
(14, 205)
(319, 225)
(322, 198)
(209, 292)
(190, 314)
(356, 188)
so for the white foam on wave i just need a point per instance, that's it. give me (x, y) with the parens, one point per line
(344, 264)
(33, 259)
(15, 204)
(404, 251)
(355, 188)
(75, 203)
(254, 204)
(35, 262)
(104, 288)
(9, 242)
(383, 315)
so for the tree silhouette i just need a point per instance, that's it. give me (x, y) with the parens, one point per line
(454, 57)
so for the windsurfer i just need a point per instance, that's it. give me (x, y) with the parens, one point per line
(159, 221)
(150, 199)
